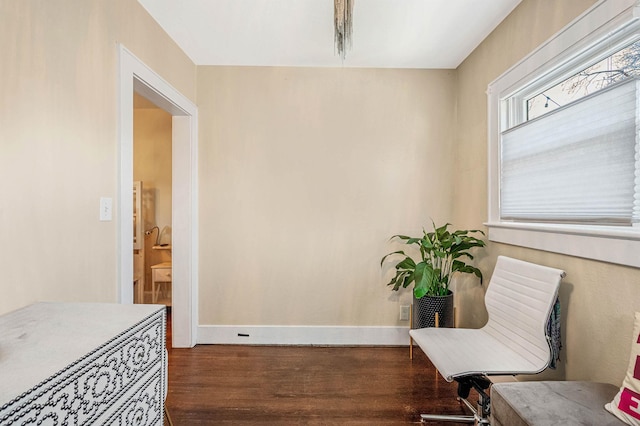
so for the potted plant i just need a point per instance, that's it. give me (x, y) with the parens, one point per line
(442, 253)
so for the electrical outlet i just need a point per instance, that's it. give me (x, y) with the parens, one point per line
(404, 312)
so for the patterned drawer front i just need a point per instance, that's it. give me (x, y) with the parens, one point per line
(121, 382)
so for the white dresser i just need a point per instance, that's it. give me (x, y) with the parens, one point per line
(83, 364)
(160, 276)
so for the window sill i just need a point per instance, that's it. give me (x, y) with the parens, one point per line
(609, 244)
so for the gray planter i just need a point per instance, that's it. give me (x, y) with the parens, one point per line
(425, 308)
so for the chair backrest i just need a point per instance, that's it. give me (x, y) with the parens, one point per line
(519, 300)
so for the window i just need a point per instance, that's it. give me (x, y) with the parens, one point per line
(576, 164)
(619, 66)
(564, 141)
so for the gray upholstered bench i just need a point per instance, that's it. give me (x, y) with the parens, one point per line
(552, 403)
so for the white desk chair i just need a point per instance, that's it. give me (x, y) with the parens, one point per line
(519, 300)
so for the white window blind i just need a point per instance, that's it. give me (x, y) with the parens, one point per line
(577, 164)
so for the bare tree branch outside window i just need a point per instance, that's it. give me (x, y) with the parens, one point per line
(613, 69)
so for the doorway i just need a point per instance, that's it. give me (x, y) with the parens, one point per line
(136, 77)
(152, 147)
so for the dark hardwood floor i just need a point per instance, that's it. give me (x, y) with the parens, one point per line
(303, 385)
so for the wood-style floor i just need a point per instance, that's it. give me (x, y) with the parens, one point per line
(302, 385)
(280, 385)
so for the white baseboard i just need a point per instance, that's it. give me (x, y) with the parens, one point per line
(303, 335)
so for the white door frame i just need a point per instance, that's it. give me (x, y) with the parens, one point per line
(136, 76)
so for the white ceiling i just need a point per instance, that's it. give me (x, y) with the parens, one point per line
(386, 33)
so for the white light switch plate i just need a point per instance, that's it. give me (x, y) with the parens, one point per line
(106, 209)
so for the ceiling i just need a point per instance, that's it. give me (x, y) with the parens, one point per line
(386, 33)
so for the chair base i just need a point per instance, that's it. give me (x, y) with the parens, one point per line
(444, 418)
(480, 415)
(474, 419)
(454, 419)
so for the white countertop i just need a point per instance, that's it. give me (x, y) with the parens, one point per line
(39, 340)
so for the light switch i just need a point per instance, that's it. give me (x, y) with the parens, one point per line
(106, 209)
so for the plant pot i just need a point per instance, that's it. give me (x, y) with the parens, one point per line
(425, 308)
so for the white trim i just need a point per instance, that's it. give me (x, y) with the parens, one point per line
(134, 75)
(303, 335)
(184, 228)
(602, 243)
(125, 156)
(601, 21)
(607, 19)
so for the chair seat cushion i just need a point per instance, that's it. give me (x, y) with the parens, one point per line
(458, 352)
(550, 403)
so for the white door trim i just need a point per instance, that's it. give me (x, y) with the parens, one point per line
(135, 75)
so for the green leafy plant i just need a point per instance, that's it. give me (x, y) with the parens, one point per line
(441, 253)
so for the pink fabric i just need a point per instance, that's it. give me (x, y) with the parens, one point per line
(626, 403)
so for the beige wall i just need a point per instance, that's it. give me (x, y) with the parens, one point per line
(58, 140)
(304, 175)
(598, 299)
